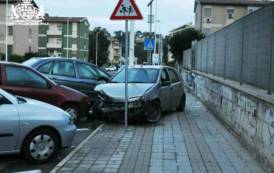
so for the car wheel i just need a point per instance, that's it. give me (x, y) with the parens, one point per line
(73, 111)
(41, 146)
(155, 114)
(182, 105)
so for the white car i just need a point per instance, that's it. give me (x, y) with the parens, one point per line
(35, 129)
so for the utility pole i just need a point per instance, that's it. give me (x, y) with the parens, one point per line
(6, 54)
(150, 21)
(96, 49)
(67, 37)
(155, 34)
(132, 43)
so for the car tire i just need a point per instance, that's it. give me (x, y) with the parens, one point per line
(73, 111)
(41, 146)
(155, 113)
(182, 105)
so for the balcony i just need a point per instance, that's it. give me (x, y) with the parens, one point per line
(10, 40)
(54, 45)
(54, 32)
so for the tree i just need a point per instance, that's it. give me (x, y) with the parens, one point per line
(165, 49)
(102, 47)
(182, 41)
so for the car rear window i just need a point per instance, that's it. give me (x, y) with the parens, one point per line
(30, 62)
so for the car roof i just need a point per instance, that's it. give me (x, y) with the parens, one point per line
(10, 63)
(57, 58)
(150, 66)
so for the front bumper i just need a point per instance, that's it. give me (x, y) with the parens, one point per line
(115, 111)
(67, 134)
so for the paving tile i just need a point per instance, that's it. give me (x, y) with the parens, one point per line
(193, 141)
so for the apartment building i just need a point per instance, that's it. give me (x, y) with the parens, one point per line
(64, 36)
(212, 15)
(115, 52)
(21, 39)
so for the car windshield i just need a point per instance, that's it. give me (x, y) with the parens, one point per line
(137, 75)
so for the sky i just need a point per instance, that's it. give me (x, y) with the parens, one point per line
(171, 13)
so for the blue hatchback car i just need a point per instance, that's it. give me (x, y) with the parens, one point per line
(73, 73)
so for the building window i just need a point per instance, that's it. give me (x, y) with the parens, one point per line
(207, 12)
(59, 27)
(9, 50)
(30, 33)
(10, 30)
(230, 13)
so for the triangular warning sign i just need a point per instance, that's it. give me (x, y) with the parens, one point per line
(126, 10)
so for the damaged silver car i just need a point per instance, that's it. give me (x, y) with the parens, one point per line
(152, 90)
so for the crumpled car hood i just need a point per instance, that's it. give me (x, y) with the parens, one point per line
(117, 90)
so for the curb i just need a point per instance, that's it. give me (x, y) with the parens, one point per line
(68, 157)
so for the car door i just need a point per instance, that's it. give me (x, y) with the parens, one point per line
(88, 78)
(25, 82)
(9, 125)
(176, 87)
(165, 90)
(64, 73)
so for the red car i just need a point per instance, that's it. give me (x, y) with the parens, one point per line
(27, 82)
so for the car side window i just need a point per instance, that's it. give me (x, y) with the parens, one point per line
(64, 68)
(23, 77)
(173, 76)
(86, 72)
(45, 68)
(103, 74)
(164, 76)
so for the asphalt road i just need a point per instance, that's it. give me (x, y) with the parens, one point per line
(15, 163)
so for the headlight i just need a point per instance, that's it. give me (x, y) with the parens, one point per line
(136, 102)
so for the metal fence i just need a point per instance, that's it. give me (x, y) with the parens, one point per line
(242, 51)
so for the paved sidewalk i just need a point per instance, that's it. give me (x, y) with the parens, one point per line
(188, 142)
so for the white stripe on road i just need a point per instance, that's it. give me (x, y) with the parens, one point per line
(32, 171)
(84, 129)
(66, 159)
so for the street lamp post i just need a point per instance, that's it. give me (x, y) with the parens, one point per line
(156, 13)
(6, 54)
(67, 37)
(96, 49)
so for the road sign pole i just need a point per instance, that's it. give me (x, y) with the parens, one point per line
(126, 10)
(126, 74)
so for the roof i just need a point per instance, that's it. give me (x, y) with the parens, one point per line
(64, 19)
(181, 28)
(16, 1)
(233, 2)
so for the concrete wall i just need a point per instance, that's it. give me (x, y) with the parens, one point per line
(248, 111)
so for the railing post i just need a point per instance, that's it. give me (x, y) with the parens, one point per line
(207, 54)
(271, 54)
(242, 58)
(225, 55)
(201, 56)
(214, 55)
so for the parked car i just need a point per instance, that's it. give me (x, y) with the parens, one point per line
(152, 90)
(73, 73)
(27, 82)
(33, 128)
